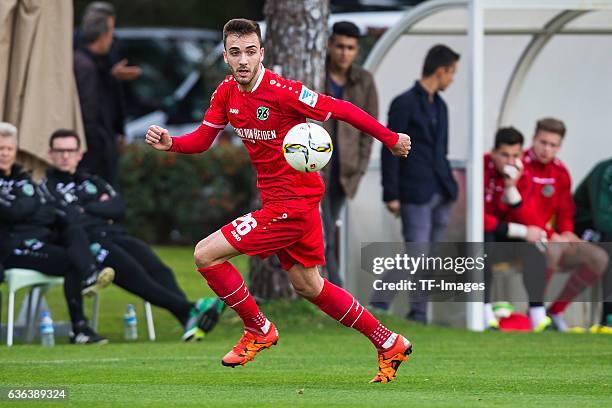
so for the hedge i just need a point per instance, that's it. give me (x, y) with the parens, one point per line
(179, 198)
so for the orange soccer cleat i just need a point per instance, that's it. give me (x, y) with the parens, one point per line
(390, 359)
(249, 345)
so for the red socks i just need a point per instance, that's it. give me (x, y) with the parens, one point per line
(227, 283)
(576, 283)
(225, 280)
(343, 307)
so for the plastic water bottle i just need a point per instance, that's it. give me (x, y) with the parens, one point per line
(47, 332)
(130, 323)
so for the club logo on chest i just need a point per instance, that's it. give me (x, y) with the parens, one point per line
(263, 113)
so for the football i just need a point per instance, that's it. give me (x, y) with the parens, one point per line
(307, 147)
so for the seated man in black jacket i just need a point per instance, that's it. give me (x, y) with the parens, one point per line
(97, 208)
(28, 240)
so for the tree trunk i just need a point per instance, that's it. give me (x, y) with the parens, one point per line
(295, 41)
(296, 37)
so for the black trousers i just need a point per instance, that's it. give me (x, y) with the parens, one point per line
(76, 241)
(139, 271)
(534, 266)
(51, 260)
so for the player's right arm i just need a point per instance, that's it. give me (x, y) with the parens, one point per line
(200, 140)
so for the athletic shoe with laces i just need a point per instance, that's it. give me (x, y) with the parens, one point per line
(83, 334)
(97, 281)
(192, 331)
(249, 345)
(389, 360)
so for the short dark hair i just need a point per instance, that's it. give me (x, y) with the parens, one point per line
(551, 125)
(345, 28)
(94, 24)
(241, 26)
(61, 133)
(508, 136)
(439, 56)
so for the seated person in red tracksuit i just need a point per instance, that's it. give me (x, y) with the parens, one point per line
(505, 182)
(554, 211)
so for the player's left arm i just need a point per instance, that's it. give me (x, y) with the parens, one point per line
(321, 107)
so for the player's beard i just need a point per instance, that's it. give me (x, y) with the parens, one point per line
(243, 80)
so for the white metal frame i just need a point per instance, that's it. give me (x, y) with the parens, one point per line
(569, 10)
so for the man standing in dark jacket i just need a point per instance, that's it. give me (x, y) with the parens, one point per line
(421, 190)
(100, 96)
(344, 80)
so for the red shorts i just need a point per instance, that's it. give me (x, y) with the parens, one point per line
(295, 235)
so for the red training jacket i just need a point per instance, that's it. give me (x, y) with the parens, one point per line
(497, 213)
(551, 194)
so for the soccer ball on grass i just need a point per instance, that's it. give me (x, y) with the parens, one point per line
(307, 147)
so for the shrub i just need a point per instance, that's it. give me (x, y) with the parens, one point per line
(182, 198)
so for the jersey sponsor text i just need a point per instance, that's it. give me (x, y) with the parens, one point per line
(256, 134)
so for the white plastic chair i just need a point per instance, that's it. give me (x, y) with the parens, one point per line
(17, 278)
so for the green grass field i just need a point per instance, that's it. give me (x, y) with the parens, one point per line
(316, 363)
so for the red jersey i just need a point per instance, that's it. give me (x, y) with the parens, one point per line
(262, 118)
(498, 213)
(551, 194)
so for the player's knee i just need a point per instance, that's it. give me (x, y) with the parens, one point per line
(307, 285)
(202, 256)
(305, 289)
(599, 260)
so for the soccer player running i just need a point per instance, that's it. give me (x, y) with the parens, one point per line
(262, 106)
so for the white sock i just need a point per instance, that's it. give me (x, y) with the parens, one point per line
(266, 327)
(559, 322)
(390, 341)
(536, 315)
(488, 312)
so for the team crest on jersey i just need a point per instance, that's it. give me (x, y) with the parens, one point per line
(28, 190)
(548, 190)
(90, 188)
(308, 97)
(263, 113)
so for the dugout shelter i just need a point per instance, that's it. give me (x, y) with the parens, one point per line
(521, 60)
